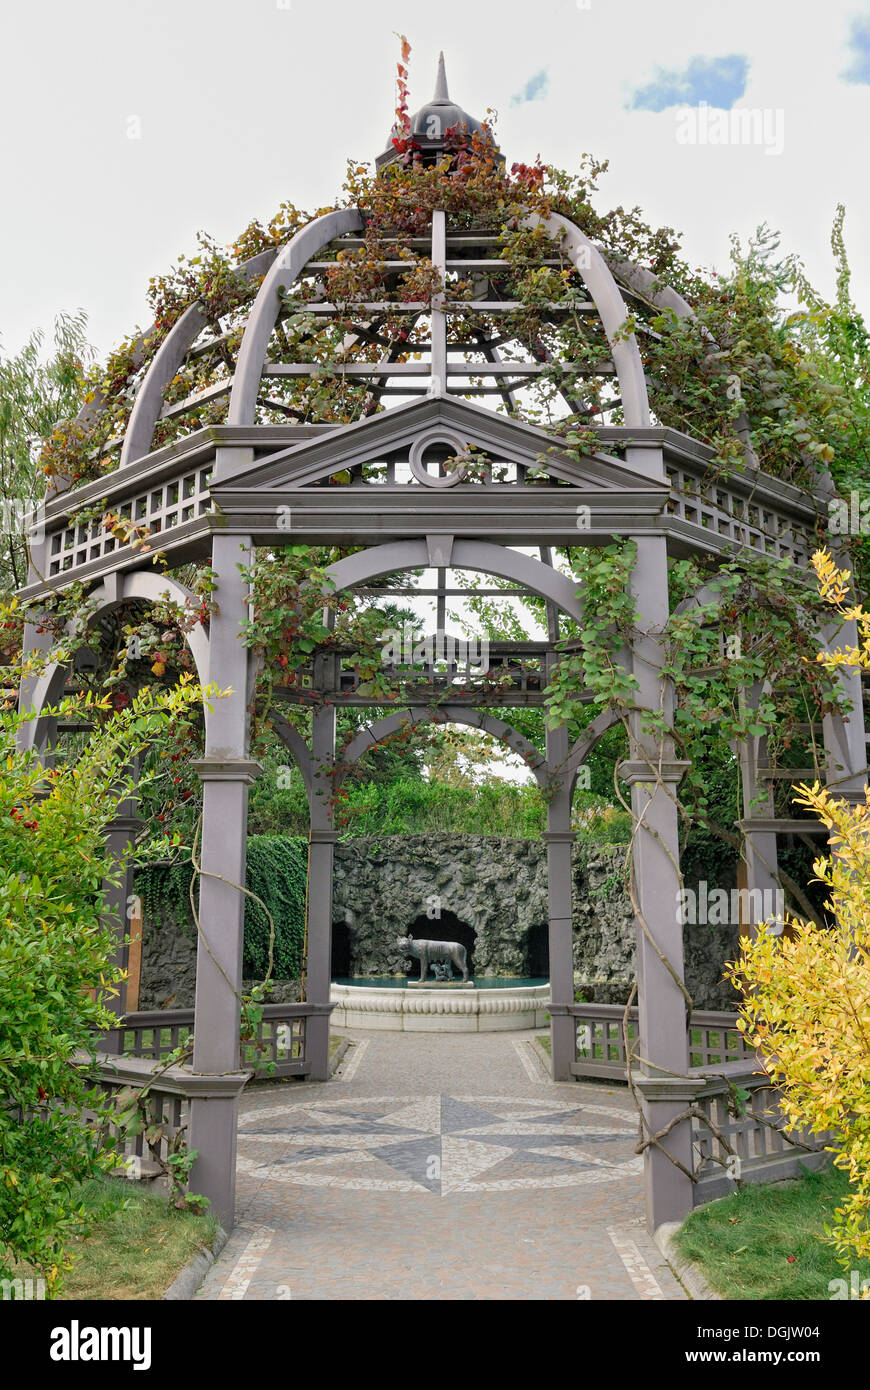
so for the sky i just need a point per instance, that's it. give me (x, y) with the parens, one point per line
(125, 127)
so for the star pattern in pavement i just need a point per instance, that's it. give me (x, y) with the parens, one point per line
(438, 1144)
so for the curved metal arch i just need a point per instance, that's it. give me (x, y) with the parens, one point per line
(285, 269)
(293, 740)
(449, 714)
(168, 359)
(582, 746)
(137, 586)
(611, 306)
(471, 555)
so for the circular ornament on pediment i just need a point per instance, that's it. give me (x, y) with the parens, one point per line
(424, 442)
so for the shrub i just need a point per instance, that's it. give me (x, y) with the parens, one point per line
(56, 984)
(807, 999)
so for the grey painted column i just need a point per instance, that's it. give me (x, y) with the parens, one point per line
(226, 774)
(844, 734)
(559, 839)
(120, 835)
(321, 853)
(33, 641)
(760, 846)
(653, 774)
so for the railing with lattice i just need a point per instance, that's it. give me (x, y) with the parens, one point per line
(165, 498)
(146, 514)
(714, 1039)
(738, 1131)
(727, 514)
(165, 1114)
(278, 1049)
(743, 1135)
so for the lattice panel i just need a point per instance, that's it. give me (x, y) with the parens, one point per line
(156, 1040)
(732, 517)
(755, 1136)
(601, 1040)
(713, 1041)
(396, 471)
(280, 1038)
(460, 668)
(158, 510)
(279, 1049)
(170, 1111)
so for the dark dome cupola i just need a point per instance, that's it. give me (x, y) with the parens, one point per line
(439, 125)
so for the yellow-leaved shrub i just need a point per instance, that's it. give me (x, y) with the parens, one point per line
(806, 995)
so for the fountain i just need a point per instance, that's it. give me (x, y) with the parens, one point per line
(398, 1004)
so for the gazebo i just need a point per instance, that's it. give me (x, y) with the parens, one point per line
(435, 470)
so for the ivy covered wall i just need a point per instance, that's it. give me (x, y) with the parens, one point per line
(276, 873)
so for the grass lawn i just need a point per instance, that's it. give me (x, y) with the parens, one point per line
(544, 1040)
(137, 1244)
(743, 1242)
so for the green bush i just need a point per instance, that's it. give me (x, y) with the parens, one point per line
(56, 983)
(415, 807)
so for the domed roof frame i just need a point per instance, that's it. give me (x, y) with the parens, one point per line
(283, 268)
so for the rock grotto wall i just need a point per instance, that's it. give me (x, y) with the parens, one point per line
(494, 889)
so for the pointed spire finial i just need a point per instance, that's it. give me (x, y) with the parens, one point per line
(441, 92)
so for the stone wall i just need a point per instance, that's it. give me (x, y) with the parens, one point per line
(498, 888)
(384, 888)
(491, 893)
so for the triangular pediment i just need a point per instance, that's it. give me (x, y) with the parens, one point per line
(394, 432)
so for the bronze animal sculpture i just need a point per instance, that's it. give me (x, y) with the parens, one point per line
(428, 952)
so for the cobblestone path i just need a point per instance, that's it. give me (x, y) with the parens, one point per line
(439, 1167)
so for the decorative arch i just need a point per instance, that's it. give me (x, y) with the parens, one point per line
(611, 306)
(483, 556)
(167, 361)
(285, 269)
(120, 589)
(290, 263)
(582, 746)
(450, 714)
(293, 740)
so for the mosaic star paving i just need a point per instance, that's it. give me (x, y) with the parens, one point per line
(441, 1144)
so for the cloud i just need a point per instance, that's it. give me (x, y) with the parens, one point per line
(718, 81)
(859, 43)
(534, 90)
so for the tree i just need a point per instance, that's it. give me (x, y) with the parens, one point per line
(56, 980)
(36, 391)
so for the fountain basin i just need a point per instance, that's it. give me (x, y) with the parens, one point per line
(487, 1005)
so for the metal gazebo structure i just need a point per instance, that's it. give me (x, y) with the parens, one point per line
(260, 477)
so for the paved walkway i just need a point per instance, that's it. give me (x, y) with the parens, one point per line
(439, 1167)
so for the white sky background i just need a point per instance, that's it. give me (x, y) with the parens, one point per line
(244, 103)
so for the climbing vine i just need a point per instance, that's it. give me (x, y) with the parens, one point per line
(276, 869)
